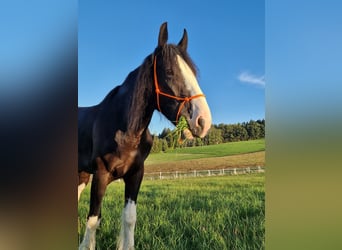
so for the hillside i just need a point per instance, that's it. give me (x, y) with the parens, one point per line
(233, 154)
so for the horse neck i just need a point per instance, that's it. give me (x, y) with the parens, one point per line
(142, 103)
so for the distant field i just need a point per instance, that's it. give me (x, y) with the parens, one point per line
(224, 149)
(226, 212)
(234, 154)
(232, 161)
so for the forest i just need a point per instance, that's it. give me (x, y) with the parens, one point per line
(220, 133)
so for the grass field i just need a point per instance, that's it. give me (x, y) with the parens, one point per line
(233, 154)
(225, 212)
(220, 150)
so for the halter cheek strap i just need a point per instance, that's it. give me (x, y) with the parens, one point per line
(159, 92)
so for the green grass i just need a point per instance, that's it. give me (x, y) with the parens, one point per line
(224, 149)
(225, 212)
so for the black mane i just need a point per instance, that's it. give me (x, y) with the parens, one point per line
(142, 93)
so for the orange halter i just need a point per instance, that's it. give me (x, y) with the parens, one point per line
(158, 92)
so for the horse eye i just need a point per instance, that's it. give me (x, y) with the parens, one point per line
(169, 72)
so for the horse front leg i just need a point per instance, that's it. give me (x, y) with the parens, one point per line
(129, 213)
(98, 188)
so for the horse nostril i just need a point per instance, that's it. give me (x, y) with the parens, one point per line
(201, 122)
(198, 127)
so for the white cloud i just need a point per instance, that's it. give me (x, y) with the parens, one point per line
(251, 79)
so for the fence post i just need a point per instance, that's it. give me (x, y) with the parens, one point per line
(235, 171)
(160, 175)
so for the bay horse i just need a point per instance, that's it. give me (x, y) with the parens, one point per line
(113, 136)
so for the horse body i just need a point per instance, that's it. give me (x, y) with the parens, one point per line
(113, 138)
(109, 150)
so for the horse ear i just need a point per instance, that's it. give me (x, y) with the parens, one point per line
(163, 34)
(183, 43)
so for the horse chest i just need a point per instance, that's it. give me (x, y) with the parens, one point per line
(120, 161)
(123, 163)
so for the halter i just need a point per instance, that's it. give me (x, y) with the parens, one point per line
(159, 92)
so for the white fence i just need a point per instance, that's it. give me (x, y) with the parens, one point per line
(202, 173)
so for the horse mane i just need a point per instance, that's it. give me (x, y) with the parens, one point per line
(140, 96)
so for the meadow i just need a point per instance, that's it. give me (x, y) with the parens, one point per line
(221, 212)
(225, 155)
(211, 151)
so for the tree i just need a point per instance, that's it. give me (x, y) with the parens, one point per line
(164, 145)
(164, 133)
(253, 129)
(228, 133)
(217, 134)
(262, 127)
(214, 136)
(156, 146)
(239, 132)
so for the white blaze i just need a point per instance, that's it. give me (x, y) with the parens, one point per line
(189, 77)
(199, 105)
(129, 217)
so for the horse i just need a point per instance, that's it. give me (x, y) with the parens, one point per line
(113, 136)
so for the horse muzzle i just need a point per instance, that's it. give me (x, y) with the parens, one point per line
(200, 121)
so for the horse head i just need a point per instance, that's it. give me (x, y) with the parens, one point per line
(175, 81)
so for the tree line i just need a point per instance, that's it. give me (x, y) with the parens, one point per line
(217, 134)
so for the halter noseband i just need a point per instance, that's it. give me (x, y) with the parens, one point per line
(159, 92)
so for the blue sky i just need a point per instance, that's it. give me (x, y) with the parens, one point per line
(226, 41)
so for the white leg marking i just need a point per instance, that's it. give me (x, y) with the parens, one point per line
(80, 189)
(129, 217)
(89, 239)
